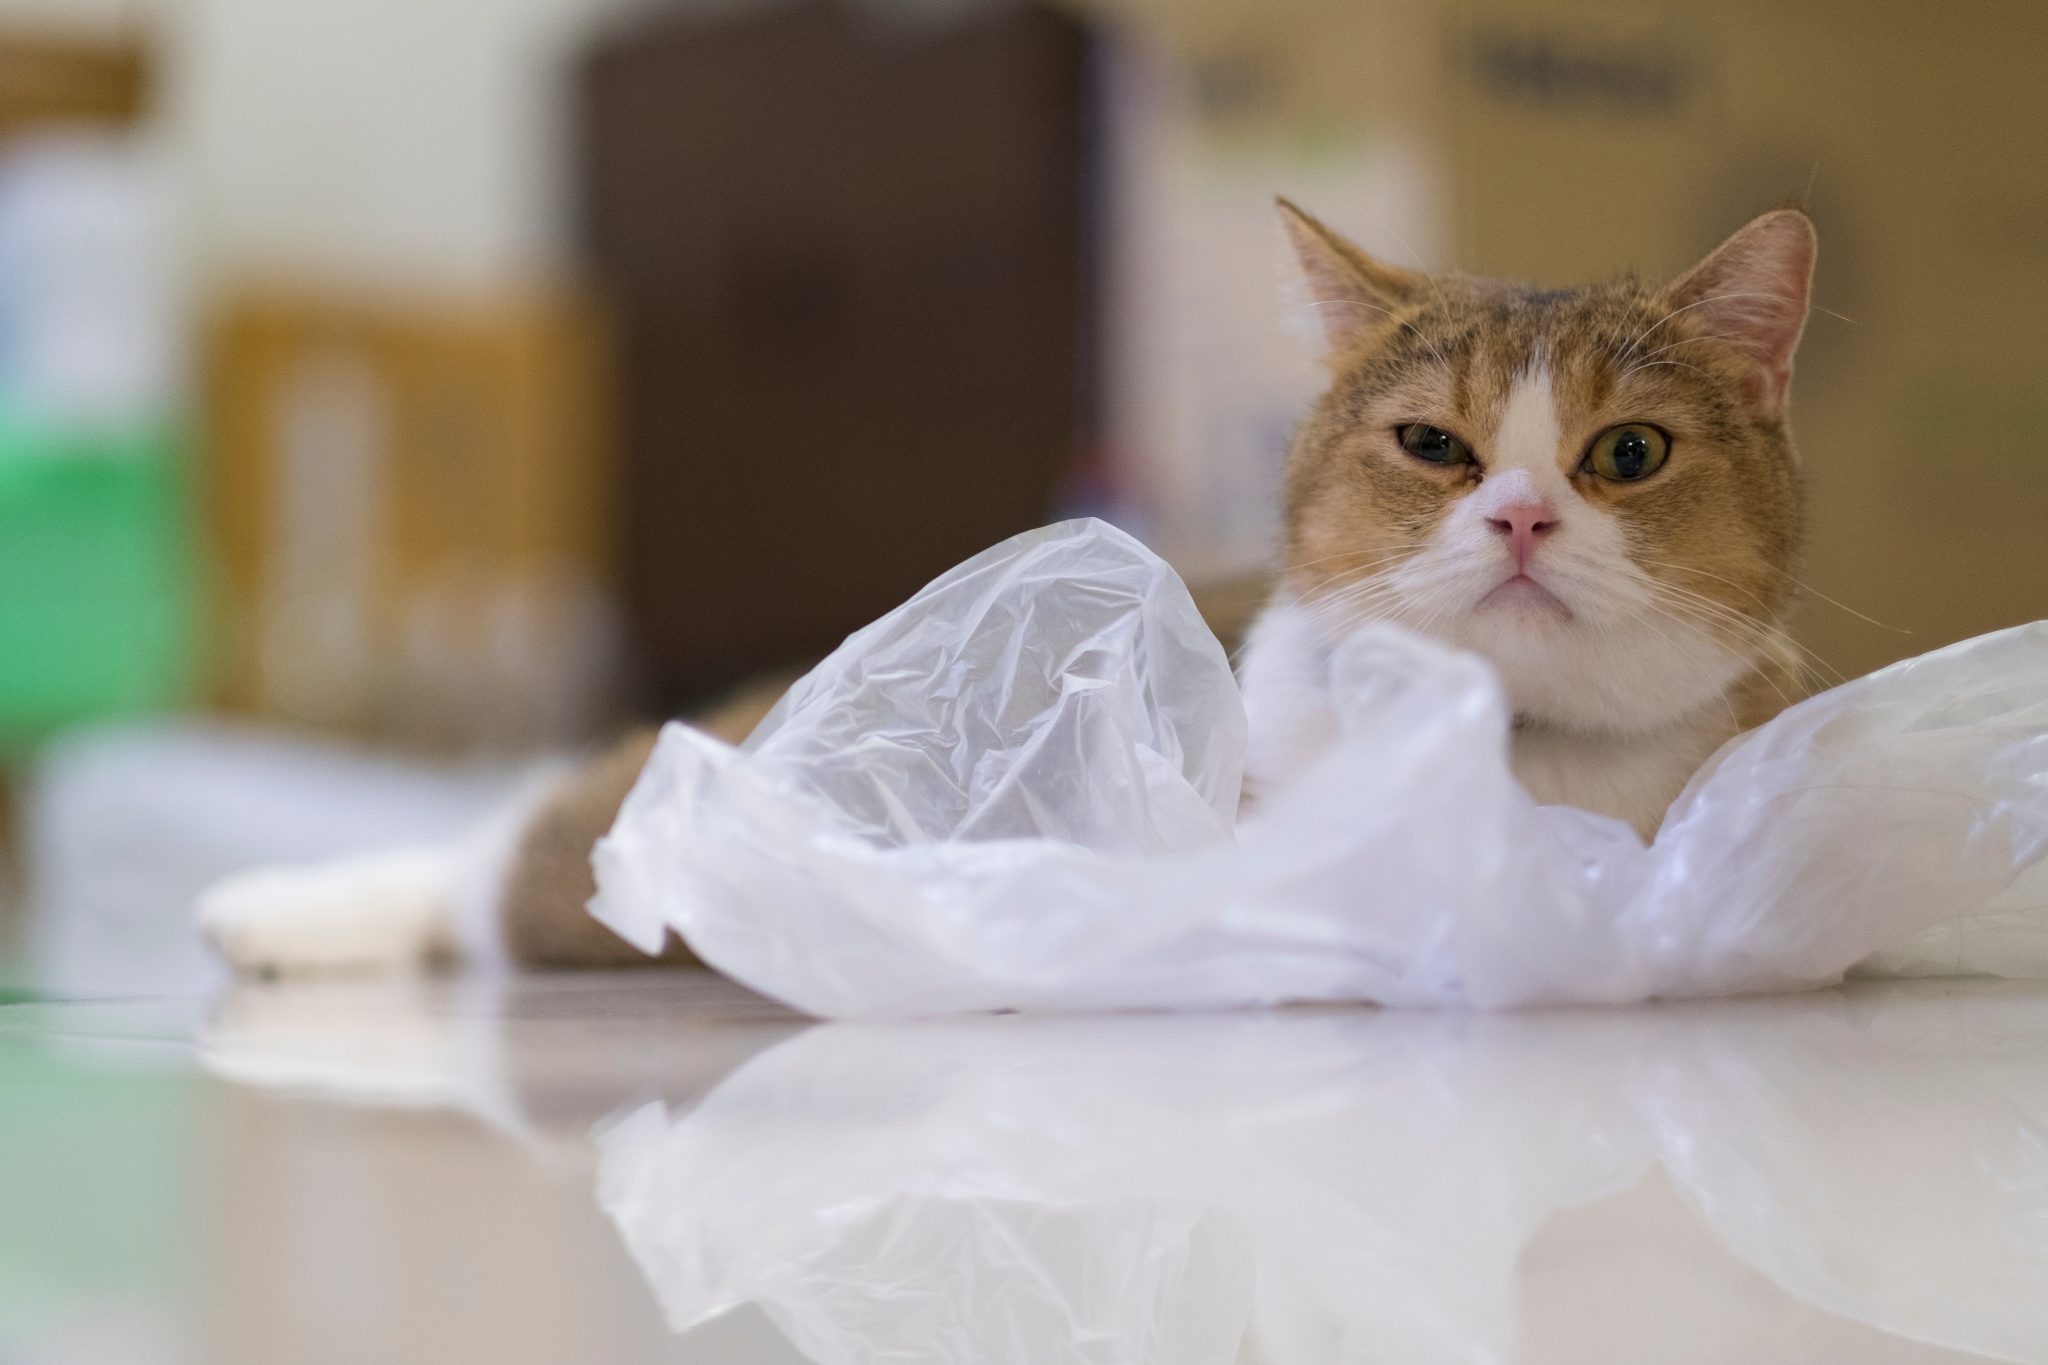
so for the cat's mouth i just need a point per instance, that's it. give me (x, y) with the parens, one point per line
(1521, 593)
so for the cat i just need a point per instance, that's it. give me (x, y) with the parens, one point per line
(1595, 489)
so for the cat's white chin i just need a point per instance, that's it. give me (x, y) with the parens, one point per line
(1522, 596)
(1597, 673)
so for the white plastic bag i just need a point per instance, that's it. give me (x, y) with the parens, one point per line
(1016, 791)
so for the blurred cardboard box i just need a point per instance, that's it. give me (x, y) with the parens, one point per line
(1592, 136)
(1565, 140)
(57, 78)
(411, 509)
(1210, 352)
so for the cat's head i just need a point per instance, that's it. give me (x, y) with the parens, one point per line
(1593, 488)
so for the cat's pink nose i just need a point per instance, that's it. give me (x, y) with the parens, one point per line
(1523, 523)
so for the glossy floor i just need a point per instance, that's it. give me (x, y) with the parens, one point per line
(659, 1167)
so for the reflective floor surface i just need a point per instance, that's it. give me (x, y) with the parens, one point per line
(660, 1167)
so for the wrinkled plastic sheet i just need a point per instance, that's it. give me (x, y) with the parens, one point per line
(1019, 791)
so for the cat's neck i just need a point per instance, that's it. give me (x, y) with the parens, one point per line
(1636, 776)
(1632, 775)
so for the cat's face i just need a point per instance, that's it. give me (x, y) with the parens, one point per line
(1592, 488)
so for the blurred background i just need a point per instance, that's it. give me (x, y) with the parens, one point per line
(393, 391)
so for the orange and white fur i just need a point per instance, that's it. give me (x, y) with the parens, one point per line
(1453, 479)
(1594, 489)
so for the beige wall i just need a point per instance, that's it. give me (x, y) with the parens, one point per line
(378, 143)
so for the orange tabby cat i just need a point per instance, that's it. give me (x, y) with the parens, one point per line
(1592, 488)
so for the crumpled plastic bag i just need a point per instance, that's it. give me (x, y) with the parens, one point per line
(1017, 791)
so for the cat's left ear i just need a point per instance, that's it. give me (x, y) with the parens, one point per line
(1752, 291)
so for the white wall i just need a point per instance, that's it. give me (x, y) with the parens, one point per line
(373, 143)
(86, 17)
(370, 143)
(389, 143)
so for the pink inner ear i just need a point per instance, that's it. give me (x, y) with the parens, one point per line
(1768, 330)
(1331, 287)
(1769, 386)
(1752, 291)
(1348, 290)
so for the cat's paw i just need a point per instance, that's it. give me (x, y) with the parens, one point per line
(381, 912)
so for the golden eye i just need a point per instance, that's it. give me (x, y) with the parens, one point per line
(1627, 453)
(1433, 444)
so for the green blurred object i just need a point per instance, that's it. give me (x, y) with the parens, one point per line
(98, 590)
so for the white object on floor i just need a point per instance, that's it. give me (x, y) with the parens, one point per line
(394, 909)
(380, 910)
(124, 827)
(1014, 792)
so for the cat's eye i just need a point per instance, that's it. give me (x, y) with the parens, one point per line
(1627, 453)
(1433, 444)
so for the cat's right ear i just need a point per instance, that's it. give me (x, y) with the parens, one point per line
(1348, 290)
